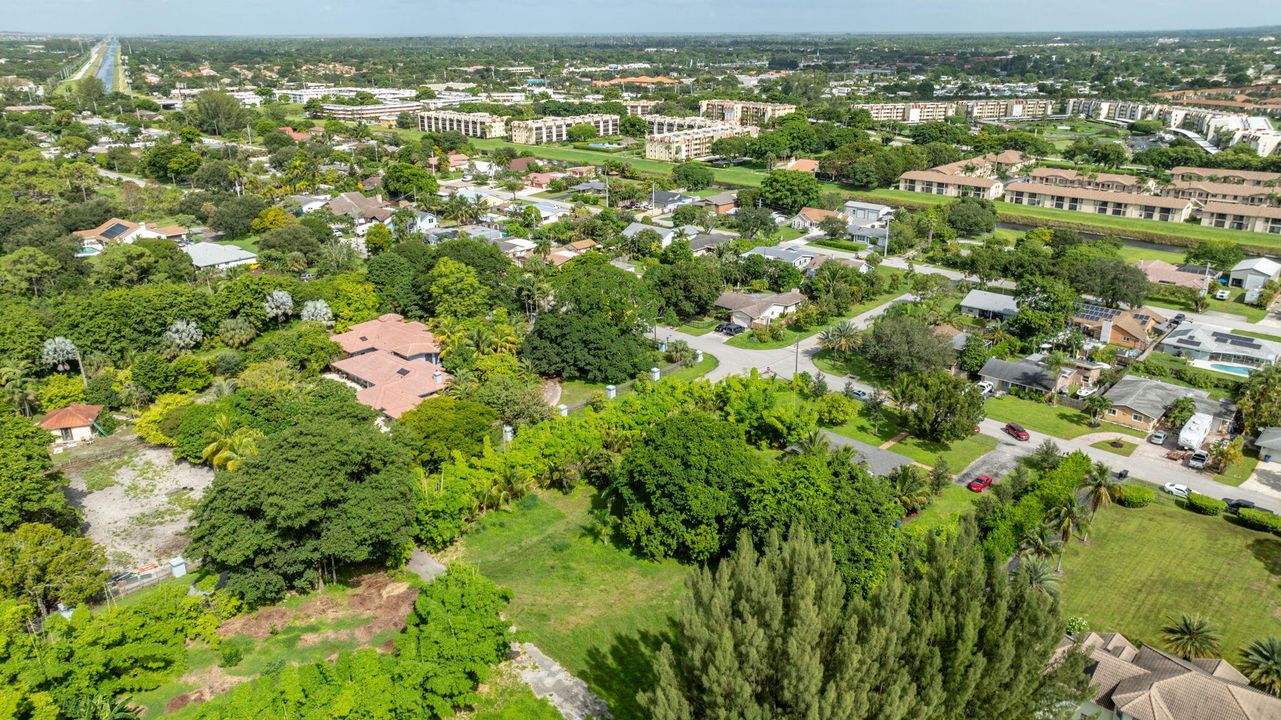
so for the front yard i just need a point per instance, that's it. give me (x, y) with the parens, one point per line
(958, 455)
(1056, 420)
(1143, 565)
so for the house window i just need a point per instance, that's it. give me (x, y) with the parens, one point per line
(66, 434)
(1137, 417)
(1111, 411)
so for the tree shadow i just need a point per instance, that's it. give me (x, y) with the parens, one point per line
(1268, 552)
(626, 669)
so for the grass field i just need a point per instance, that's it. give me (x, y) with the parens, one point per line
(1056, 420)
(594, 607)
(1126, 449)
(1240, 472)
(573, 392)
(1234, 305)
(944, 509)
(958, 455)
(1143, 565)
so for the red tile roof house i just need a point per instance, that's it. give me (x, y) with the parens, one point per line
(395, 363)
(72, 423)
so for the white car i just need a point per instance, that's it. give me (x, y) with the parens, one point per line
(1177, 489)
(1086, 391)
(1222, 295)
(1158, 437)
(985, 387)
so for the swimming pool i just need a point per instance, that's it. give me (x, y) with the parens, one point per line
(1232, 369)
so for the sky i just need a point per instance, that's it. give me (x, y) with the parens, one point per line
(528, 17)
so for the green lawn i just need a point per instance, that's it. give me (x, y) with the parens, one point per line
(1126, 449)
(1240, 472)
(594, 607)
(1143, 565)
(1234, 305)
(1133, 254)
(958, 455)
(249, 242)
(747, 341)
(699, 327)
(578, 391)
(943, 511)
(1055, 420)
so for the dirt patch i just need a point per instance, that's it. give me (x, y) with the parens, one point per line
(136, 504)
(210, 682)
(385, 601)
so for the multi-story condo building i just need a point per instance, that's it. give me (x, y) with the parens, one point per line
(660, 124)
(1107, 182)
(640, 107)
(933, 182)
(1244, 177)
(556, 129)
(1235, 216)
(739, 112)
(1207, 191)
(302, 95)
(385, 111)
(916, 112)
(692, 144)
(1002, 108)
(1120, 204)
(478, 124)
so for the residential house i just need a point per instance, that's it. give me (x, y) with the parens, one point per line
(1126, 328)
(516, 248)
(667, 201)
(1140, 403)
(363, 209)
(1130, 683)
(1254, 273)
(296, 135)
(1160, 272)
(797, 258)
(809, 218)
(424, 222)
(394, 362)
(864, 213)
(522, 164)
(1269, 443)
(73, 423)
(550, 211)
(756, 309)
(665, 235)
(541, 180)
(209, 255)
(805, 165)
(869, 235)
(1237, 216)
(309, 203)
(987, 305)
(116, 230)
(594, 187)
(721, 203)
(1033, 375)
(706, 243)
(821, 260)
(1207, 343)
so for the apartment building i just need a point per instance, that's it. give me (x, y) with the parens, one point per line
(1107, 182)
(1236, 216)
(737, 112)
(1206, 191)
(1244, 177)
(478, 124)
(660, 124)
(302, 95)
(1119, 204)
(1207, 122)
(1003, 108)
(692, 144)
(556, 129)
(384, 111)
(912, 113)
(1264, 142)
(933, 182)
(640, 107)
(1006, 162)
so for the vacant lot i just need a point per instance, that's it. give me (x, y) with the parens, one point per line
(1143, 565)
(593, 606)
(136, 499)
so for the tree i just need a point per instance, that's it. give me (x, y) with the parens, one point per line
(1037, 574)
(685, 290)
(1096, 406)
(272, 218)
(971, 216)
(693, 176)
(402, 180)
(900, 344)
(292, 238)
(907, 482)
(834, 228)
(1066, 519)
(1261, 663)
(1221, 255)
(236, 332)
(730, 148)
(754, 221)
(316, 311)
(441, 427)
(681, 487)
(1260, 399)
(1112, 280)
(26, 269)
(1191, 636)
(943, 407)
(586, 346)
(455, 291)
(633, 126)
(1100, 488)
(840, 339)
(183, 335)
(1179, 411)
(581, 132)
(974, 355)
(217, 113)
(925, 643)
(41, 565)
(378, 239)
(789, 190)
(318, 495)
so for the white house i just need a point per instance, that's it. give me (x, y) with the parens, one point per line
(665, 235)
(73, 423)
(862, 213)
(214, 255)
(792, 256)
(754, 309)
(1254, 273)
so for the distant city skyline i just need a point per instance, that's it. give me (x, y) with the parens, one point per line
(527, 17)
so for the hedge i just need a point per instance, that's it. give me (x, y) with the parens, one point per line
(1003, 528)
(1135, 496)
(1205, 505)
(1260, 520)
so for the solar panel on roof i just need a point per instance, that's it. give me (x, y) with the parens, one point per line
(114, 231)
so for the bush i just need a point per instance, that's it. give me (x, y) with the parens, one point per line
(149, 425)
(229, 363)
(1205, 505)
(835, 409)
(1135, 496)
(230, 655)
(1260, 520)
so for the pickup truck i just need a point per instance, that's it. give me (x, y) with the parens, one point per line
(1198, 460)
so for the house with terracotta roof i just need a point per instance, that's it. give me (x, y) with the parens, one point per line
(1099, 202)
(295, 135)
(933, 182)
(73, 423)
(809, 218)
(363, 209)
(1126, 328)
(1132, 683)
(805, 165)
(394, 362)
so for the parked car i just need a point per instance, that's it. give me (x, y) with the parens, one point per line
(1086, 390)
(1179, 318)
(980, 483)
(1158, 437)
(1198, 460)
(730, 329)
(1236, 504)
(860, 394)
(985, 387)
(1016, 431)
(1177, 489)
(1222, 295)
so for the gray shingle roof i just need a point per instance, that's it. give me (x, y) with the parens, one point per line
(1023, 373)
(990, 302)
(1151, 397)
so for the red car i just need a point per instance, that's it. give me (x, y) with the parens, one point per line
(1016, 431)
(980, 483)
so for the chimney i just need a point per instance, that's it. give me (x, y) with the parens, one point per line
(437, 376)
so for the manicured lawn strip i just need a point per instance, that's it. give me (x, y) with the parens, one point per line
(595, 607)
(943, 511)
(249, 242)
(1234, 305)
(1143, 565)
(1056, 420)
(747, 341)
(1240, 472)
(1259, 335)
(698, 370)
(578, 391)
(699, 327)
(1132, 254)
(853, 364)
(1126, 449)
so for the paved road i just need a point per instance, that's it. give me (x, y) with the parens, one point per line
(93, 58)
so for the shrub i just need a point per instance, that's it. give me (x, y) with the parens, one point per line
(1260, 520)
(230, 655)
(229, 363)
(1205, 505)
(835, 409)
(149, 423)
(1135, 496)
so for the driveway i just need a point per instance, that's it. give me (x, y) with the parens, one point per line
(1266, 480)
(879, 461)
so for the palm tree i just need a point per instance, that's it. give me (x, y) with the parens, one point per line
(1261, 662)
(840, 339)
(1191, 636)
(228, 445)
(813, 443)
(909, 487)
(1100, 488)
(1040, 543)
(480, 339)
(18, 385)
(1065, 520)
(103, 707)
(1035, 572)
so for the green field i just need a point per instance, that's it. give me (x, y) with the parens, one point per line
(573, 392)
(1126, 449)
(1143, 565)
(593, 606)
(958, 455)
(943, 511)
(1055, 420)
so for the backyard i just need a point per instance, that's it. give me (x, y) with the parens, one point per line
(1143, 565)
(593, 606)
